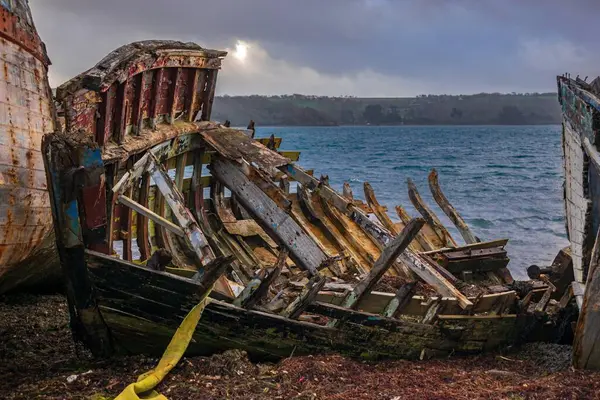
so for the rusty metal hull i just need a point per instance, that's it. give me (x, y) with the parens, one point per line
(26, 114)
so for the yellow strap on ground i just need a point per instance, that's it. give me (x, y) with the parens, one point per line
(143, 389)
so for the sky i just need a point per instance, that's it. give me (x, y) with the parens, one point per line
(365, 48)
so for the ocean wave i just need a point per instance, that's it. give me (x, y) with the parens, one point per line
(480, 222)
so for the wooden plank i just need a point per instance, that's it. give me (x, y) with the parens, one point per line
(449, 210)
(263, 289)
(401, 300)
(310, 182)
(127, 231)
(378, 209)
(182, 214)
(143, 239)
(427, 213)
(388, 257)
(151, 215)
(474, 246)
(208, 97)
(421, 238)
(278, 224)
(307, 296)
(347, 192)
(586, 352)
(592, 153)
(132, 175)
(415, 262)
(422, 268)
(376, 302)
(326, 231)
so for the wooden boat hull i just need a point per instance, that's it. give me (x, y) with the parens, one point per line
(27, 249)
(143, 308)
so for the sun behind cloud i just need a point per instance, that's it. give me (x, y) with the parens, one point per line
(241, 50)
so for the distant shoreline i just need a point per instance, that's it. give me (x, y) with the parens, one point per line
(394, 126)
(474, 110)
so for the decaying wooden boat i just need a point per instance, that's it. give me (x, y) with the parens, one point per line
(143, 231)
(580, 101)
(27, 245)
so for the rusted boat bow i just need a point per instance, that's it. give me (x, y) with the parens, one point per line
(144, 232)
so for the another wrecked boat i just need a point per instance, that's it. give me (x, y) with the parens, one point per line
(154, 205)
(580, 101)
(27, 245)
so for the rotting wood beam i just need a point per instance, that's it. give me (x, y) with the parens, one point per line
(119, 121)
(347, 192)
(173, 91)
(378, 209)
(191, 97)
(449, 210)
(402, 297)
(586, 353)
(174, 199)
(209, 96)
(143, 240)
(421, 238)
(132, 175)
(308, 295)
(427, 213)
(141, 210)
(157, 80)
(263, 289)
(388, 256)
(276, 222)
(138, 103)
(419, 266)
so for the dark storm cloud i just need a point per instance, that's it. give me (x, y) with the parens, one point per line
(451, 45)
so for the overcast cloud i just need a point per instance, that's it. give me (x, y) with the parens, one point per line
(343, 47)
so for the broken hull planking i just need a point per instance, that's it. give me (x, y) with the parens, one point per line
(27, 249)
(143, 322)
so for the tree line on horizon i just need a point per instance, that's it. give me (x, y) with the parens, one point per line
(306, 110)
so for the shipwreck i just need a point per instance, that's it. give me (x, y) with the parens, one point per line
(27, 246)
(580, 101)
(154, 205)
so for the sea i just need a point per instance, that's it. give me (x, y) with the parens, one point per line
(506, 181)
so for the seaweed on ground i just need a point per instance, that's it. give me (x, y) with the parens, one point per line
(39, 360)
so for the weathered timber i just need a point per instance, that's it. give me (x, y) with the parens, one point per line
(378, 209)
(429, 215)
(400, 300)
(263, 289)
(347, 192)
(415, 262)
(481, 260)
(421, 238)
(308, 295)
(141, 210)
(540, 307)
(142, 237)
(314, 209)
(500, 243)
(586, 354)
(176, 202)
(432, 312)
(235, 145)
(278, 224)
(388, 257)
(449, 209)
(422, 268)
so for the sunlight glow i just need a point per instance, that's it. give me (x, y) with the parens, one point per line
(241, 50)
